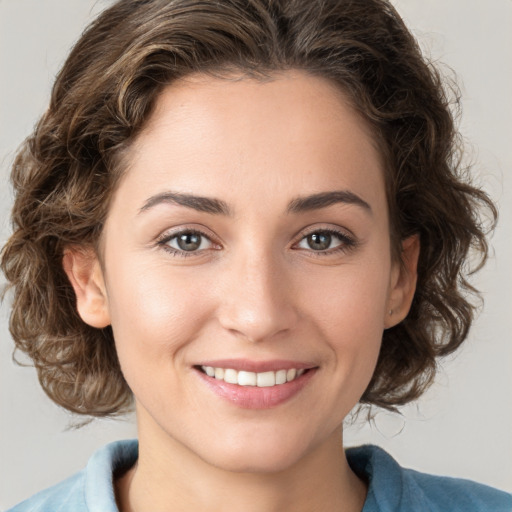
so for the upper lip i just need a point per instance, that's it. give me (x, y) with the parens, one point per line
(257, 366)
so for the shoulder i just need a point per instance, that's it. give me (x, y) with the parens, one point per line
(65, 496)
(90, 490)
(458, 494)
(393, 488)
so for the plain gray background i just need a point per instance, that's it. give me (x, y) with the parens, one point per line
(462, 426)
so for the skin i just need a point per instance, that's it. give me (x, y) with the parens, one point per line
(254, 289)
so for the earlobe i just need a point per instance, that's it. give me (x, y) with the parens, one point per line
(86, 277)
(403, 282)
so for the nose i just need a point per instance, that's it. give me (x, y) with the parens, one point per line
(256, 302)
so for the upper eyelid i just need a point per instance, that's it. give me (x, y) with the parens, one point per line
(343, 232)
(170, 234)
(345, 239)
(331, 231)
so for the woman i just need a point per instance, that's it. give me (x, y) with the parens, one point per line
(244, 218)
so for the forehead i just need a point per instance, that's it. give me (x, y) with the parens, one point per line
(234, 135)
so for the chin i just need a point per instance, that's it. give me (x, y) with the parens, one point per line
(270, 455)
(262, 463)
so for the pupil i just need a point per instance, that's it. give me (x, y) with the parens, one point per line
(319, 241)
(189, 241)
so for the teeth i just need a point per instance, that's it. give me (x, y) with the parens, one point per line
(231, 376)
(281, 377)
(261, 380)
(246, 378)
(266, 379)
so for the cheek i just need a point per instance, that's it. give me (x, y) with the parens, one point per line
(154, 312)
(349, 311)
(350, 299)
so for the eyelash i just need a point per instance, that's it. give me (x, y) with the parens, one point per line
(166, 238)
(347, 242)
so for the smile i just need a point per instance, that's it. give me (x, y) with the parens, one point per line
(255, 385)
(258, 379)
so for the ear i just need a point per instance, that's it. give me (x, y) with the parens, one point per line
(403, 282)
(86, 276)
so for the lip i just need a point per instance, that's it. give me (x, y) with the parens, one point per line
(253, 397)
(257, 366)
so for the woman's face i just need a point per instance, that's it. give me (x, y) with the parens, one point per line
(250, 238)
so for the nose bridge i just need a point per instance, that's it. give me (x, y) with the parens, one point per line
(257, 303)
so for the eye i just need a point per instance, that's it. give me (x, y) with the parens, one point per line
(324, 240)
(187, 241)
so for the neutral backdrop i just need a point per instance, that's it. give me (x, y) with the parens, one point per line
(463, 426)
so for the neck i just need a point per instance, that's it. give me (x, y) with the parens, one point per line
(168, 476)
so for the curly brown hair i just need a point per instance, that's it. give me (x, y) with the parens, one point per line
(66, 171)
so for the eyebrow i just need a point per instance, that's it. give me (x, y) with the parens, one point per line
(324, 199)
(199, 203)
(218, 207)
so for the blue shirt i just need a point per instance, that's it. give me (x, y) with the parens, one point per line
(391, 488)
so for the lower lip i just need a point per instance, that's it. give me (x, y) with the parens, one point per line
(253, 397)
